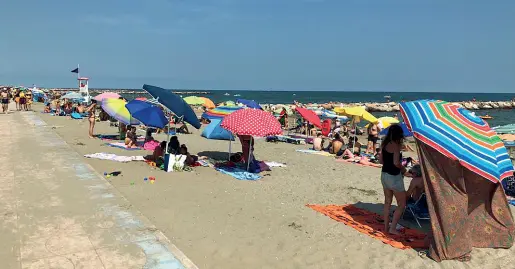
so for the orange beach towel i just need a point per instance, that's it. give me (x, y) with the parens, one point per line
(372, 225)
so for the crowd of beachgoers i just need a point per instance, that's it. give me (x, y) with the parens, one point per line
(367, 147)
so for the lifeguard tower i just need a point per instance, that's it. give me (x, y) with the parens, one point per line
(83, 88)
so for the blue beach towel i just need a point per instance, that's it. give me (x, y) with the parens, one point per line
(511, 202)
(238, 173)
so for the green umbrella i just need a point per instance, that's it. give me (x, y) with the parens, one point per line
(194, 100)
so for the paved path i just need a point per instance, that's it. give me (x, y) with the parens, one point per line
(57, 212)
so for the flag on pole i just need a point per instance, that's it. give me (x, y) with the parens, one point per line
(76, 70)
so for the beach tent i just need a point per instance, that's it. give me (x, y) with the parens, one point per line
(215, 131)
(463, 162)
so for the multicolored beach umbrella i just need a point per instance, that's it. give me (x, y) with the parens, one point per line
(116, 109)
(458, 134)
(219, 112)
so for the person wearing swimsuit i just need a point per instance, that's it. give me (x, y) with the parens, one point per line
(373, 135)
(5, 100)
(392, 176)
(91, 117)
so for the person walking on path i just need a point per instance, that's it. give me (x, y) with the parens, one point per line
(392, 176)
(4, 96)
(91, 117)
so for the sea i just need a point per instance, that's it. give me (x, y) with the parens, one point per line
(500, 116)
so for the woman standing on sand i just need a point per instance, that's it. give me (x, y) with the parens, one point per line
(392, 176)
(91, 117)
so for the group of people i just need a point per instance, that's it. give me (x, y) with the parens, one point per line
(174, 148)
(22, 98)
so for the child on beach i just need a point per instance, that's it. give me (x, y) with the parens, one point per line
(318, 142)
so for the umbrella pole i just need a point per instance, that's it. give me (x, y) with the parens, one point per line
(230, 143)
(250, 153)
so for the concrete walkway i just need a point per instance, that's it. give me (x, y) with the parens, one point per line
(57, 212)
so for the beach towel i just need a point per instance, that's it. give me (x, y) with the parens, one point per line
(316, 152)
(275, 164)
(238, 173)
(114, 157)
(121, 145)
(371, 224)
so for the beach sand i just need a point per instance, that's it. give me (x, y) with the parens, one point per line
(221, 222)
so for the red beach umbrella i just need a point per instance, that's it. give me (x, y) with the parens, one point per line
(253, 122)
(310, 116)
(141, 99)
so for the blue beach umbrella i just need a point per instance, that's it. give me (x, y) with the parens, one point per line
(249, 103)
(405, 130)
(147, 113)
(174, 103)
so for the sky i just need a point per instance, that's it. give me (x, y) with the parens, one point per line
(394, 45)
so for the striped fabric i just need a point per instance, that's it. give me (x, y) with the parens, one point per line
(219, 112)
(459, 134)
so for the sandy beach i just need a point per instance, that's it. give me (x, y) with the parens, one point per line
(221, 222)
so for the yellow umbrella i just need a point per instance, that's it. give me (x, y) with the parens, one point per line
(386, 122)
(208, 103)
(357, 113)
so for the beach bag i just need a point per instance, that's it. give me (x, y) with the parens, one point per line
(174, 163)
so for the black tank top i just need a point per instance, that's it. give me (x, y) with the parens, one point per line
(388, 164)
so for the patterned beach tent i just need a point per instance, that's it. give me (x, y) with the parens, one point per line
(463, 162)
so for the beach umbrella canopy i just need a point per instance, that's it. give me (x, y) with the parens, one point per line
(105, 95)
(147, 113)
(460, 135)
(219, 112)
(193, 100)
(208, 103)
(405, 130)
(116, 108)
(358, 112)
(72, 95)
(249, 103)
(174, 103)
(253, 122)
(387, 121)
(230, 103)
(310, 116)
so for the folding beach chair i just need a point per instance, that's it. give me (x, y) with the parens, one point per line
(419, 209)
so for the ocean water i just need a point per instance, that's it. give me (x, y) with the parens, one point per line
(500, 117)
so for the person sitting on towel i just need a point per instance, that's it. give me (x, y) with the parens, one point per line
(148, 135)
(174, 145)
(159, 151)
(48, 109)
(318, 142)
(190, 159)
(337, 145)
(131, 138)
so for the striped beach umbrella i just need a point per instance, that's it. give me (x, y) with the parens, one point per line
(460, 135)
(219, 112)
(116, 109)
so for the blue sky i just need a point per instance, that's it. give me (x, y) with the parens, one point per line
(394, 45)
